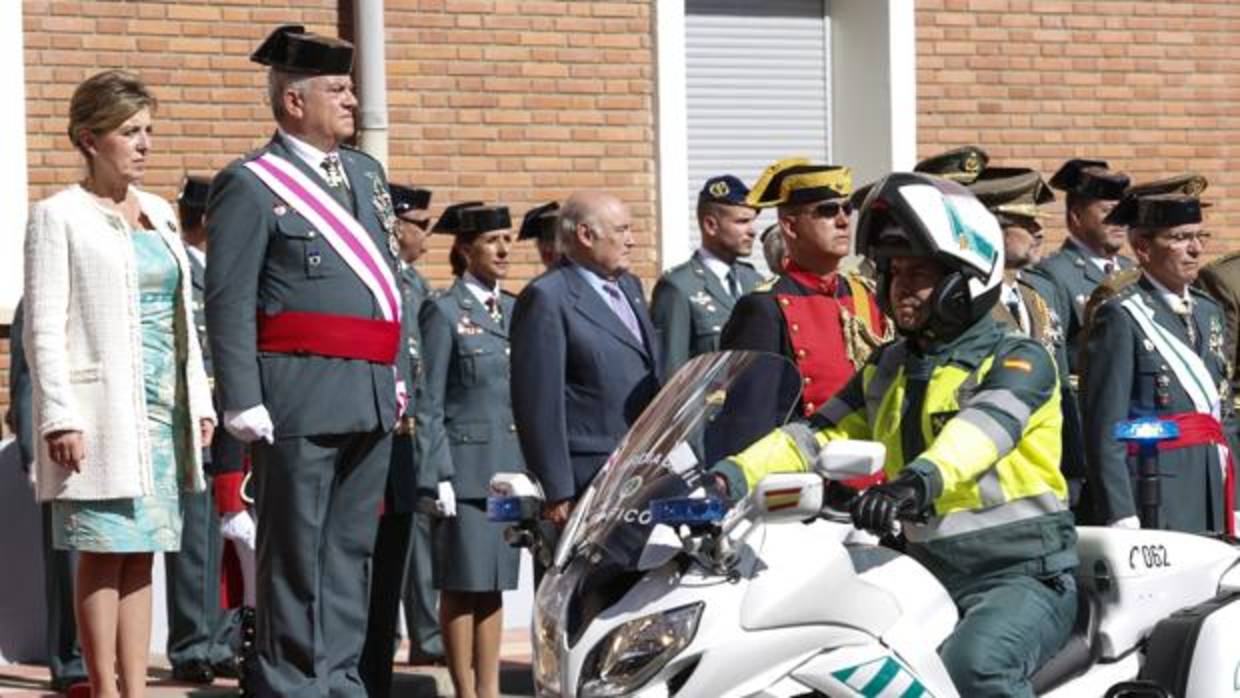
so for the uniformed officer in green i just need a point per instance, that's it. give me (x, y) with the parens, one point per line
(199, 632)
(969, 414)
(693, 300)
(1221, 279)
(1157, 348)
(1091, 252)
(304, 319)
(465, 435)
(538, 225)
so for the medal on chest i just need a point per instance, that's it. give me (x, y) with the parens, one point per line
(381, 199)
(701, 298)
(467, 327)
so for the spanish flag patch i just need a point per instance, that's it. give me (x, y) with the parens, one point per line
(783, 499)
(1018, 364)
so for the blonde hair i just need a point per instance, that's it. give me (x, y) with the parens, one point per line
(104, 101)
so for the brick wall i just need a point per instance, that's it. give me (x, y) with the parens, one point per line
(1152, 87)
(510, 102)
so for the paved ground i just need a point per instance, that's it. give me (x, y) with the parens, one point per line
(409, 682)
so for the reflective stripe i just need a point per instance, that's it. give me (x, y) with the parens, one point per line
(957, 523)
(803, 436)
(993, 430)
(1006, 401)
(835, 411)
(884, 375)
(991, 490)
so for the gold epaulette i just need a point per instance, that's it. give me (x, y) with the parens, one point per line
(860, 337)
(766, 284)
(1108, 289)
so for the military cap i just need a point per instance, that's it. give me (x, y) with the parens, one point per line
(292, 49)
(1011, 191)
(405, 199)
(858, 197)
(1188, 184)
(767, 231)
(450, 220)
(539, 222)
(724, 189)
(476, 220)
(1156, 211)
(194, 191)
(962, 164)
(1091, 179)
(796, 181)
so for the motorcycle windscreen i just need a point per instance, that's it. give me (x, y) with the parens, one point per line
(715, 405)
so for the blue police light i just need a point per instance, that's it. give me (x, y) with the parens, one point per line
(1146, 431)
(684, 510)
(504, 509)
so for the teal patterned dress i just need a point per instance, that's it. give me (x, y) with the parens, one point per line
(152, 523)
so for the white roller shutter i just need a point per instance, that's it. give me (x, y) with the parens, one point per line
(757, 89)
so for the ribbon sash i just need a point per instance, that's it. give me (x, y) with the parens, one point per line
(1188, 368)
(341, 230)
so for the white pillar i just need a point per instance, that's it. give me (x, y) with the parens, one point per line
(672, 132)
(372, 135)
(13, 195)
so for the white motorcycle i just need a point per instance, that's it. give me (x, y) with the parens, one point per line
(655, 590)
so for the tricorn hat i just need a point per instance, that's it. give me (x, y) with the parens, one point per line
(292, 49)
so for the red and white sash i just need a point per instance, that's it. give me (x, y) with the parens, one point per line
(341, 230)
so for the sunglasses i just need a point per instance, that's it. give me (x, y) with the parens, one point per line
(831, 209)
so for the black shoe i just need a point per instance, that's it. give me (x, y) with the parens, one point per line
(62, 684)
(195, 671)
(226, 669)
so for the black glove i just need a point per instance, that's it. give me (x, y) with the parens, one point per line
(877, 509)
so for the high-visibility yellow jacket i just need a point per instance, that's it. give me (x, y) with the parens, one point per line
(986, 441)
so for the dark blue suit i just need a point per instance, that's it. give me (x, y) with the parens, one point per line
(579, 377)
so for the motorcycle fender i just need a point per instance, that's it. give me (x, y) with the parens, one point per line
(1196, 651)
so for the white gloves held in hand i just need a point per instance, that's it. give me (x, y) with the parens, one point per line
(250, 425)
(238, 526)
(445, 501)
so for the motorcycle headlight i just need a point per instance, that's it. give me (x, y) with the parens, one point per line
(628, 656)
(550, 608)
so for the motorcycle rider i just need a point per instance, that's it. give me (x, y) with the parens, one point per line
(978, 462)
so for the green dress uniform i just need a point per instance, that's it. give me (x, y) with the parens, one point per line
(1221, 280)
(691, 305)
(1127, 377)
(466, 434)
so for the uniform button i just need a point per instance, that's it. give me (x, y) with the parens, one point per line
(783, 302)
(809, 406)
(796, 327)
(311, 234)
(801, 353)
(807, 380)
(512, 427)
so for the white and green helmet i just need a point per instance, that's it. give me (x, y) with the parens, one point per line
(918, 215)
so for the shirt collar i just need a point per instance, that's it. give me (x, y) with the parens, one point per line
(1175, 301)
(197, 254)
(478, 289)
(717, 266)
(1088, 253)
(309, 154)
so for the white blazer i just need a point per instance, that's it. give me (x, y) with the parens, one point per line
(83, 341)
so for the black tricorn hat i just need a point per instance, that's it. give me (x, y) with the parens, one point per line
(292, 49)
(476, 220)
(539, 222)
(450, 220)
(1090, 179)
(1156, 211)
(194, 191)
(409, 198)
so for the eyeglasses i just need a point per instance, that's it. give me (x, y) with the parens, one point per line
(1185, 237)
(420, 223)
(831, 209)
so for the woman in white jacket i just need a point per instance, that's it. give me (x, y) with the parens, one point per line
(122, 407)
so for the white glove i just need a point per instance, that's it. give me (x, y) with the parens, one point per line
(1130, 522)
(446, 502)
(402, 399)
(250, 425)
(238, 526)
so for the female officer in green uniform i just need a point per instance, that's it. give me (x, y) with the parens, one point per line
(465, 434)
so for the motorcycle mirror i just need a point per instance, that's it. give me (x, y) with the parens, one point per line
(848, 459)
(1137, 689)
(788, 497)
(1146, 431)
(514, 497)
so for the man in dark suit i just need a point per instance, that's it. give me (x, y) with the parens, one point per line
(693, 300)
(1156, 349)
(585, 360)
(304, 320)
(199, 642)
(64, 657)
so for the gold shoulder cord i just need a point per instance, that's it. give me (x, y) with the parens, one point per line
(860, 339)
(1105, 291)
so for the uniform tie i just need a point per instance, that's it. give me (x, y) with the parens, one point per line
(1013, 306)
(734, 286)
(1108, 268)
(620, 305)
